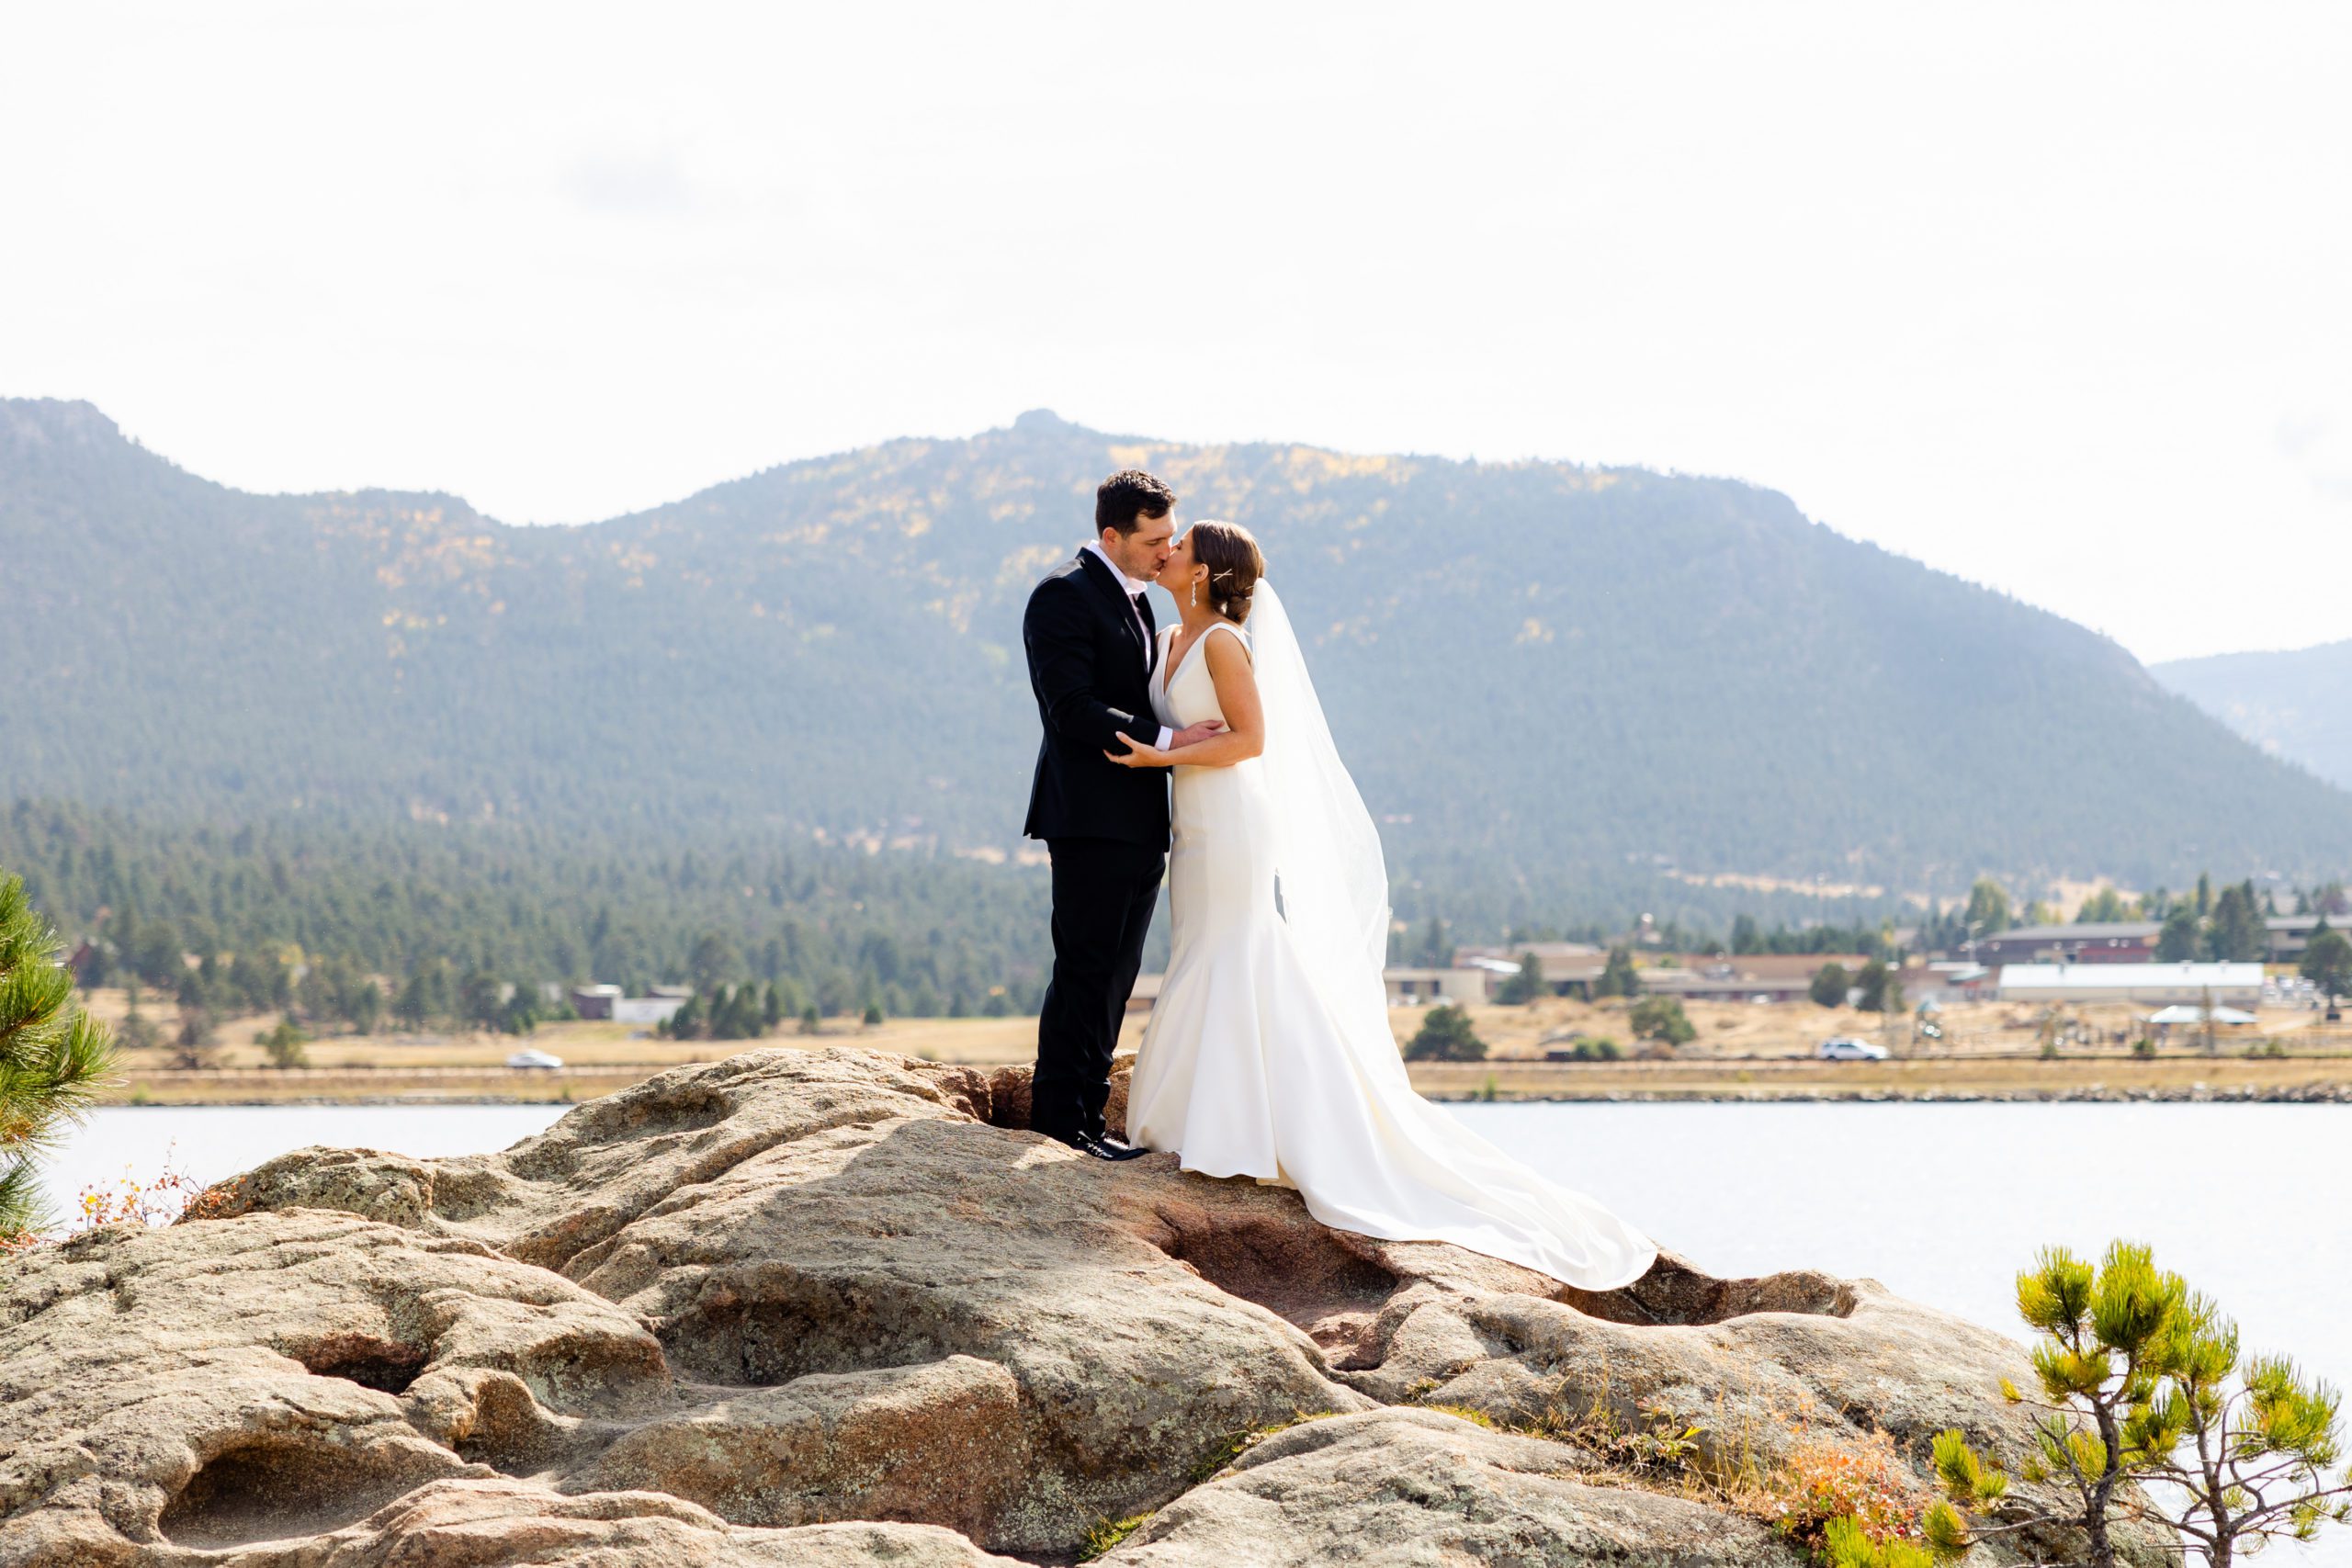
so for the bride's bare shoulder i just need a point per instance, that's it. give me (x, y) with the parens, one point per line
(1230, 651)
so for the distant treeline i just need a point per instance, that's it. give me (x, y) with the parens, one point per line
(422, 924)
(449, 918)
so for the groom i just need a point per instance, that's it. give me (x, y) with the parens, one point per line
(1089, 633)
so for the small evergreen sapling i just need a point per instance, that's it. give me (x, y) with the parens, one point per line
(2148, 1411)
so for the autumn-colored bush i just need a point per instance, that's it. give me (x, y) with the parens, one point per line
(1858, 1478)
(171, 1196)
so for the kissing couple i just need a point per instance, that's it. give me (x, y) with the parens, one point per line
(1268, 1054)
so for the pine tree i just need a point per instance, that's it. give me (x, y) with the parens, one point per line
(1433, 951)
(712, 960)
(2176, 944)
(52, 1057)
(1988, 906)
(2141, 1380)
(478, 1003)
(138, 1032)
(415, 1005)
(2237, 935)
(2327, 961)
(1618, 977)
(1745, 935)
(1524, 987)
(1881, 991)
(1445, 1035)
(362, 1004)
(1830, 983)
(687, 1023)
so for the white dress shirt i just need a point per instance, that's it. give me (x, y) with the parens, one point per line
(1134, 590)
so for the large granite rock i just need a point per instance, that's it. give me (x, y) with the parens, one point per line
(1419, 1486)
(820, 1307)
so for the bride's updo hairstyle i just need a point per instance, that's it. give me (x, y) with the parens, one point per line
(1235, 564)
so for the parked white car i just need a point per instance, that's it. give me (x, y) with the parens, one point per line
(1846, 1048)
(534, 1059)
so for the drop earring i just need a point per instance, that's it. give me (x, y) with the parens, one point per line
(1196, 594)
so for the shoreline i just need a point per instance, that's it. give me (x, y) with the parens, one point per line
(2232, 1081)
(2337, 1096)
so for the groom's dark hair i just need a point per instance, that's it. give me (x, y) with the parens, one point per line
(1127, 495)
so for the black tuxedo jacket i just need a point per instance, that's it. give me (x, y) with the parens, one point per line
(1088, 664)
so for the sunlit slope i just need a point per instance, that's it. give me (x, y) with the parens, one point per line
(1535, 668)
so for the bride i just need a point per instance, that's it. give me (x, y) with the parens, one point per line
(1268, 1052)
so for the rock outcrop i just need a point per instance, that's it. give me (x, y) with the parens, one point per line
(1419, 1486)
(821, 1307)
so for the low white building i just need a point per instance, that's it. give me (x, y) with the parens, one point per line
(1409, 986)
(2156, 985)
(606, 1001)
(594, 1001)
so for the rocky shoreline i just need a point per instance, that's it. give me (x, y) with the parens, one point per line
(835, 1308)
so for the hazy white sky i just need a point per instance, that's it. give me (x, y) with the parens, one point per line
(2056, 297)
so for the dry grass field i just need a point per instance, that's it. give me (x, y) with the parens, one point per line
(1742, 1051)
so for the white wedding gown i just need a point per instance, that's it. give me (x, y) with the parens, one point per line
(1266, 1057)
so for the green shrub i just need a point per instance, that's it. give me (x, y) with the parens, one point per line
(1445, 1035)
(1661, 1019)
(284, 1045)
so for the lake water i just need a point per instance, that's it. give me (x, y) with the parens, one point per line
(1943, 1203)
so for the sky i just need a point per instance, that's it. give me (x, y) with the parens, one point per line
(2054, 297)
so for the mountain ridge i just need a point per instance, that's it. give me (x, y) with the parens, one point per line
(2293, 703)
(1539, 669)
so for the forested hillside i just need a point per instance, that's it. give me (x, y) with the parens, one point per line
(2296, 705)
(1552, 680)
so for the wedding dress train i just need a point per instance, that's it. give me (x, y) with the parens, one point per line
(1268, 1053)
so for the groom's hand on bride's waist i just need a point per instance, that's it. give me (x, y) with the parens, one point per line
(1138, 755)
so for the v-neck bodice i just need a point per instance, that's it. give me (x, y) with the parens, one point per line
(1182, 692)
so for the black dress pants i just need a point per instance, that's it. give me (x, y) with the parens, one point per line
(1104, 893)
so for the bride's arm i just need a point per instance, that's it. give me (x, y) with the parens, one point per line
(1245, 719)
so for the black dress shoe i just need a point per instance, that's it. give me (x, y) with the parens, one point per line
(1087, 1143)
